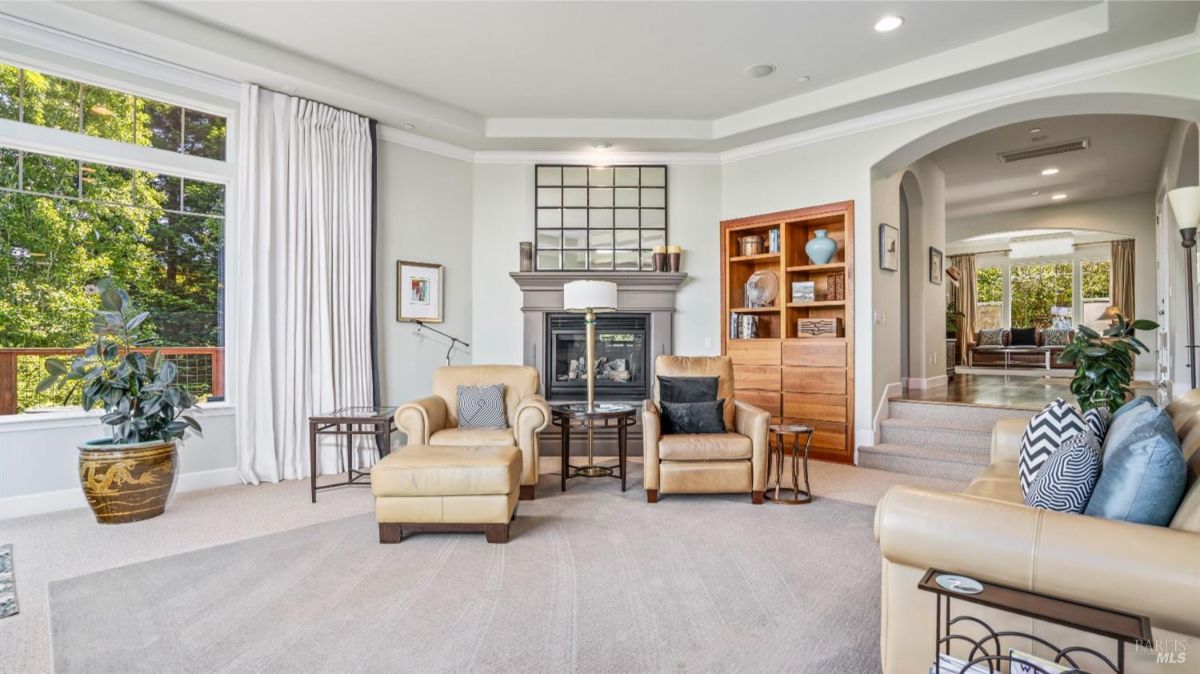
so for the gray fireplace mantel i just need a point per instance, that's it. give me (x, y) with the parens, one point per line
(652, 293)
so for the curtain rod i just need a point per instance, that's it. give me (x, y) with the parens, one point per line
(1007, 251)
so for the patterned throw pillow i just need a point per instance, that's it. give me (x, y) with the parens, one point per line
(991, 337)
(1065, 482)
(1097, 422)
(1046, 432)
(1053, 337)
(481, 407)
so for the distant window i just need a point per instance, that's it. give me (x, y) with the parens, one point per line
(989, 298)
(1096, 281)
(58, 103)
(1041, 294)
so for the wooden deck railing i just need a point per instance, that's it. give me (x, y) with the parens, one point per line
(8, 367)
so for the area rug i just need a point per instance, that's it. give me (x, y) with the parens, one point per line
(8, 583)
(593, 580)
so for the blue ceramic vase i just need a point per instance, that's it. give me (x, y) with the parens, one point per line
(821, 248)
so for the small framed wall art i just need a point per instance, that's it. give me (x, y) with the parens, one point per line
(935, 266)
(418, 292)
(889, 247)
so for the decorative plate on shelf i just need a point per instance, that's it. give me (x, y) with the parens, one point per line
(959, 584)
(762, 288)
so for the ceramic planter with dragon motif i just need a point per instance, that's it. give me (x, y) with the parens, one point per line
(127, 482)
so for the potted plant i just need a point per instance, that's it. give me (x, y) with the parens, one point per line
(126, 477)
(1104, 363)
(953, 318)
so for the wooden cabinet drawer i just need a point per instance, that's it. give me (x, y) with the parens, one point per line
(815, 406)
(757, 376)
(754, 351)
(831, 380)
(826, 435)
(815, 352)
(767, 400)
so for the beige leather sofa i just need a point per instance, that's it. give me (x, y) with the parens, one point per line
(731, 462)
(987, 532)
(433, 420)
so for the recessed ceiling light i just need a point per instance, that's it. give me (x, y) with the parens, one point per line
(289, 88)
(1034, 193)
(803, 78)
(1035, 129)
(759, 70)
(888, 23)
(601, 147)
(1049, 172)
(409, 127)
(1059, 197)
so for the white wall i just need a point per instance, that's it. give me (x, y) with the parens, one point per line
(1180, 168)
(503, 216)
(1130, 215)
(424, 215)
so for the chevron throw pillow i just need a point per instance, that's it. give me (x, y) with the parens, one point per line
(1097, 420)
(1066, 481)
(481, 407)
(1046, 432)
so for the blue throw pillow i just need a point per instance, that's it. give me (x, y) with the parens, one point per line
(1133, 405)
(1143, 478)
(1127, 419)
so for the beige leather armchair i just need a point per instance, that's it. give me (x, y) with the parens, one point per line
(730, 462)
(987, 532)
(433, 420)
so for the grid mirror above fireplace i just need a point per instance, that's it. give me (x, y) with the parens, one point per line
(622, 357)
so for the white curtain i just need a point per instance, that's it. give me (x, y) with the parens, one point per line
(303, 288)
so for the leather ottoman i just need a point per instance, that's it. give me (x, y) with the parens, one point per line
(444, 488)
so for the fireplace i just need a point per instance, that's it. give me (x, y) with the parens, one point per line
(622, 356)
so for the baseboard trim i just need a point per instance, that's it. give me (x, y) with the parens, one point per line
(70, 499)
(882, 411)
(931, 382)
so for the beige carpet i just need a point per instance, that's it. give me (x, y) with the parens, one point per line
(67, 544)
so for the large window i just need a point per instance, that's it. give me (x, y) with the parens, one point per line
(66, 224)
(44, 100)
(989, 298)
(600, 218)
(1041, 294)
(1096, 279)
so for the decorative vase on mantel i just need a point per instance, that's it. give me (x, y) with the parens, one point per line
(820, 248)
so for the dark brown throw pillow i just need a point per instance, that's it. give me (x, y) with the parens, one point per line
(687, 389)
(1024, 337)
(701, 417)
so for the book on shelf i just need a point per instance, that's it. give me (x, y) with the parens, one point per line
(773, 241)
(743, 326)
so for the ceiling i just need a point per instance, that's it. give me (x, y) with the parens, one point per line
(643, 76)
(1124, 156)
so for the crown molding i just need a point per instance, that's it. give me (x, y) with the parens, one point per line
(391, 134)
(1009, 89)
(596, 158)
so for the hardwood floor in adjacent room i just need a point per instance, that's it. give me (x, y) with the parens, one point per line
(997, 390)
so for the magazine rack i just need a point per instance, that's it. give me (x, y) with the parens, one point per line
(989, 650)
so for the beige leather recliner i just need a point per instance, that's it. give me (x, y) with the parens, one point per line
(731, 462)
(433, 420)
(987, 532)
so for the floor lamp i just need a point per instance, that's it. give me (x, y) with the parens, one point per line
(1185, 204)
(590, 298)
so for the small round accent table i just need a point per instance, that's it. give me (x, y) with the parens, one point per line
(775, 456)
(600, 415)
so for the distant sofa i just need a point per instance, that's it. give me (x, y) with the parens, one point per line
(1029, 355)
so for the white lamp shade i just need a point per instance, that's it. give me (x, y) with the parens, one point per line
(580, 296)
(1185, 203)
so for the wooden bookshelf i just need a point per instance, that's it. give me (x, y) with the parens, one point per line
(797, 378)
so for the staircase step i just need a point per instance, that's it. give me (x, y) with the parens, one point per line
(967, 416)
(927, 461)
(945, 435)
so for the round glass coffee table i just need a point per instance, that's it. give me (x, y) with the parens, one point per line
(775, 456)
(600, 415)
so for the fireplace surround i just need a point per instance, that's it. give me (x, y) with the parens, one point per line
(622, 356)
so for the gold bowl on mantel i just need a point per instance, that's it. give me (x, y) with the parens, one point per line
(127, 482)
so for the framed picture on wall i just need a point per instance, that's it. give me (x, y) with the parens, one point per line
(418, 292)
(889, 247)
(935, 266)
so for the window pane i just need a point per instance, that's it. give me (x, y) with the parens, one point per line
(601, 238)
(602, 197)
(1096, 276)
(160, 125)
(202, 197)
(647, 260)
(8, 168)
(549, 260)
(575, 196)
(203, 135)
(652, 238)
(51, 175)
(549, 217)
(989, 297)
(626, 238)
(1040, 293)
(575, 175)
(600, 260)
(627, 197)
(575, 259)
(654, 198)
(549, 175)
(654, 218)
(107, 114)
(600, 177)
(10, 91)
(549, 240)
(600, 217)
(627, 176)
(158, 190)
(628, 260)
(574, 238)
(51, 101)
(107, 183)
(574, 217)
(654, 176)
(549, 196)
(626, 217)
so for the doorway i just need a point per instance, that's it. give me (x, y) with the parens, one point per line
(904, 285)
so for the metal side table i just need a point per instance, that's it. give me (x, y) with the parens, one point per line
(775, 456)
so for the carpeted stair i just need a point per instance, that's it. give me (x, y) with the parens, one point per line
(949, 441)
